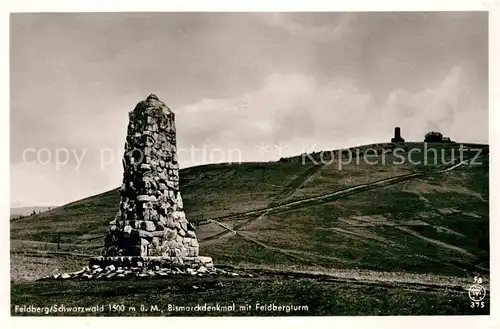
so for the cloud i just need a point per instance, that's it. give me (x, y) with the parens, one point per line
(294, 109)
(446, 106)
(312, 29)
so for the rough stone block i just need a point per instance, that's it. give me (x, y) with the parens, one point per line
(184, 225)
(149, 226)
(205, 260)
(170, 223)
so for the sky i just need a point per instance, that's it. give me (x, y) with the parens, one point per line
(243, 87)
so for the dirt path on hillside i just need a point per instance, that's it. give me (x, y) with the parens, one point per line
(298, 182)
(322, 198)
(436, 242)
(304, 202)
(327, 197)
(286, 193)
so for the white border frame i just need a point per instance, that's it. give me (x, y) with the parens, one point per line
(493, 6)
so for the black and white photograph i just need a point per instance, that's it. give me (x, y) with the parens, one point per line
(249, 164)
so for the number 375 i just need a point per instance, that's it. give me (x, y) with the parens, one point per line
(477, 304)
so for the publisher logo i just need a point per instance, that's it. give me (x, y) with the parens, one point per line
(477, 291)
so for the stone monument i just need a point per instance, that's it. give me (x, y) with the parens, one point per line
(151, 223)
(397, 136)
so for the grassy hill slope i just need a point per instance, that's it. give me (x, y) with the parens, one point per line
(286, 214)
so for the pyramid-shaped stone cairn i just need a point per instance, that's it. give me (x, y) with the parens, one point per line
(151, 226)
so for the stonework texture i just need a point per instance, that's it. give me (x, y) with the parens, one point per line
(151, 220)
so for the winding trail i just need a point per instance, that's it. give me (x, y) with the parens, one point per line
(436, 242)
(329, 197)
(319, 199)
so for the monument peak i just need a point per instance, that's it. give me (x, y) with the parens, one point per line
(153, 96)
(152, 103)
